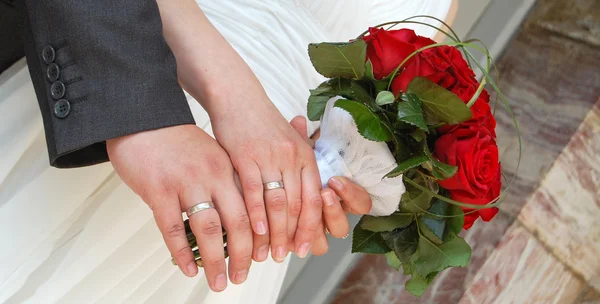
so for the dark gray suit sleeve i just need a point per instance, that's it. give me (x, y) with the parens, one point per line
(101, 69)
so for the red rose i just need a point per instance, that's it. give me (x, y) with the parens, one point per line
(445, 66)
(472, 148)
(387, 49)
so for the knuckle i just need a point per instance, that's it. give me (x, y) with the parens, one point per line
(277, 202)
(289, 148)
(315, 201)
(280, 233)
(255, 207)
(211, 228)
(242, 223)
(174, 230)
(307, 229)
(253, 185)
(295, 207)
(214, 165)
(180, 253)
(215, 263)
(241, 258)
(248, 150)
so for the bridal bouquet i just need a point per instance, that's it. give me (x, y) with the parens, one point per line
(405, 118)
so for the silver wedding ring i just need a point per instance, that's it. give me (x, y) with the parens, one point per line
(273, 185)
(199, 207)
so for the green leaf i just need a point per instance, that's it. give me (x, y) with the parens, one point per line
(369, 75)
(369, 124)
(358, 93)
(402, 148)
(454, 224)
(385, 223)
(316, 107)
(434, 258)
(410, 111)
(433, 227)
(415, 200)
(410, 163)
(440, 170)
(403, 241)
(346, 60)
(368, 241)
(417, 285)
(392, 260)
(406, 269)
(418, 135)
(439, 102)
(320, 96)
(385, 97)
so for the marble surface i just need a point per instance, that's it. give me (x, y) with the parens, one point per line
(552, 81)
(564, 212)
(520, 270)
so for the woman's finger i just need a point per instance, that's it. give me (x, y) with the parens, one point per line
(312, 208)
(334, 215)
(276, 204)
(320, 245)
(293, 189)
(354, 197)
(252, 187)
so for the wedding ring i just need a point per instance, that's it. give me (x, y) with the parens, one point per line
(273, 185)
(199, 207)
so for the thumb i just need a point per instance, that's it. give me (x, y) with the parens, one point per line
(299, 124)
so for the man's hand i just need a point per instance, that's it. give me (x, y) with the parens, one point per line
(175, 168)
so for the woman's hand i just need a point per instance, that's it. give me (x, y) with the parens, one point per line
(262, 146)
(355, 199)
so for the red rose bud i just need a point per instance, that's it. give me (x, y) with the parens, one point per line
(472, 148)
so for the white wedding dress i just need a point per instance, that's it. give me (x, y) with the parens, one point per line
(81, 236)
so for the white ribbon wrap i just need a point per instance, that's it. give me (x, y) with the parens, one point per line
(342, 151)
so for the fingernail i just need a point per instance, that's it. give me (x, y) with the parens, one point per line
(240, 276)
(336, 182)
(328, 199)
(261, 228)
(192, 269)
(263, 252)
(280, 254)
(221, 282)
(303, 250)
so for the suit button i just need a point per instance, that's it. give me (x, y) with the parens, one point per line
(48, 54)
(52, 72)
(57, 90)
(62, 108)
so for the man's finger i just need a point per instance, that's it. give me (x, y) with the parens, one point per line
(206, 226)
(167, 214)
(230, 205)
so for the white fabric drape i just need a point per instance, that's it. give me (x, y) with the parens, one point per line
(81, 236)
